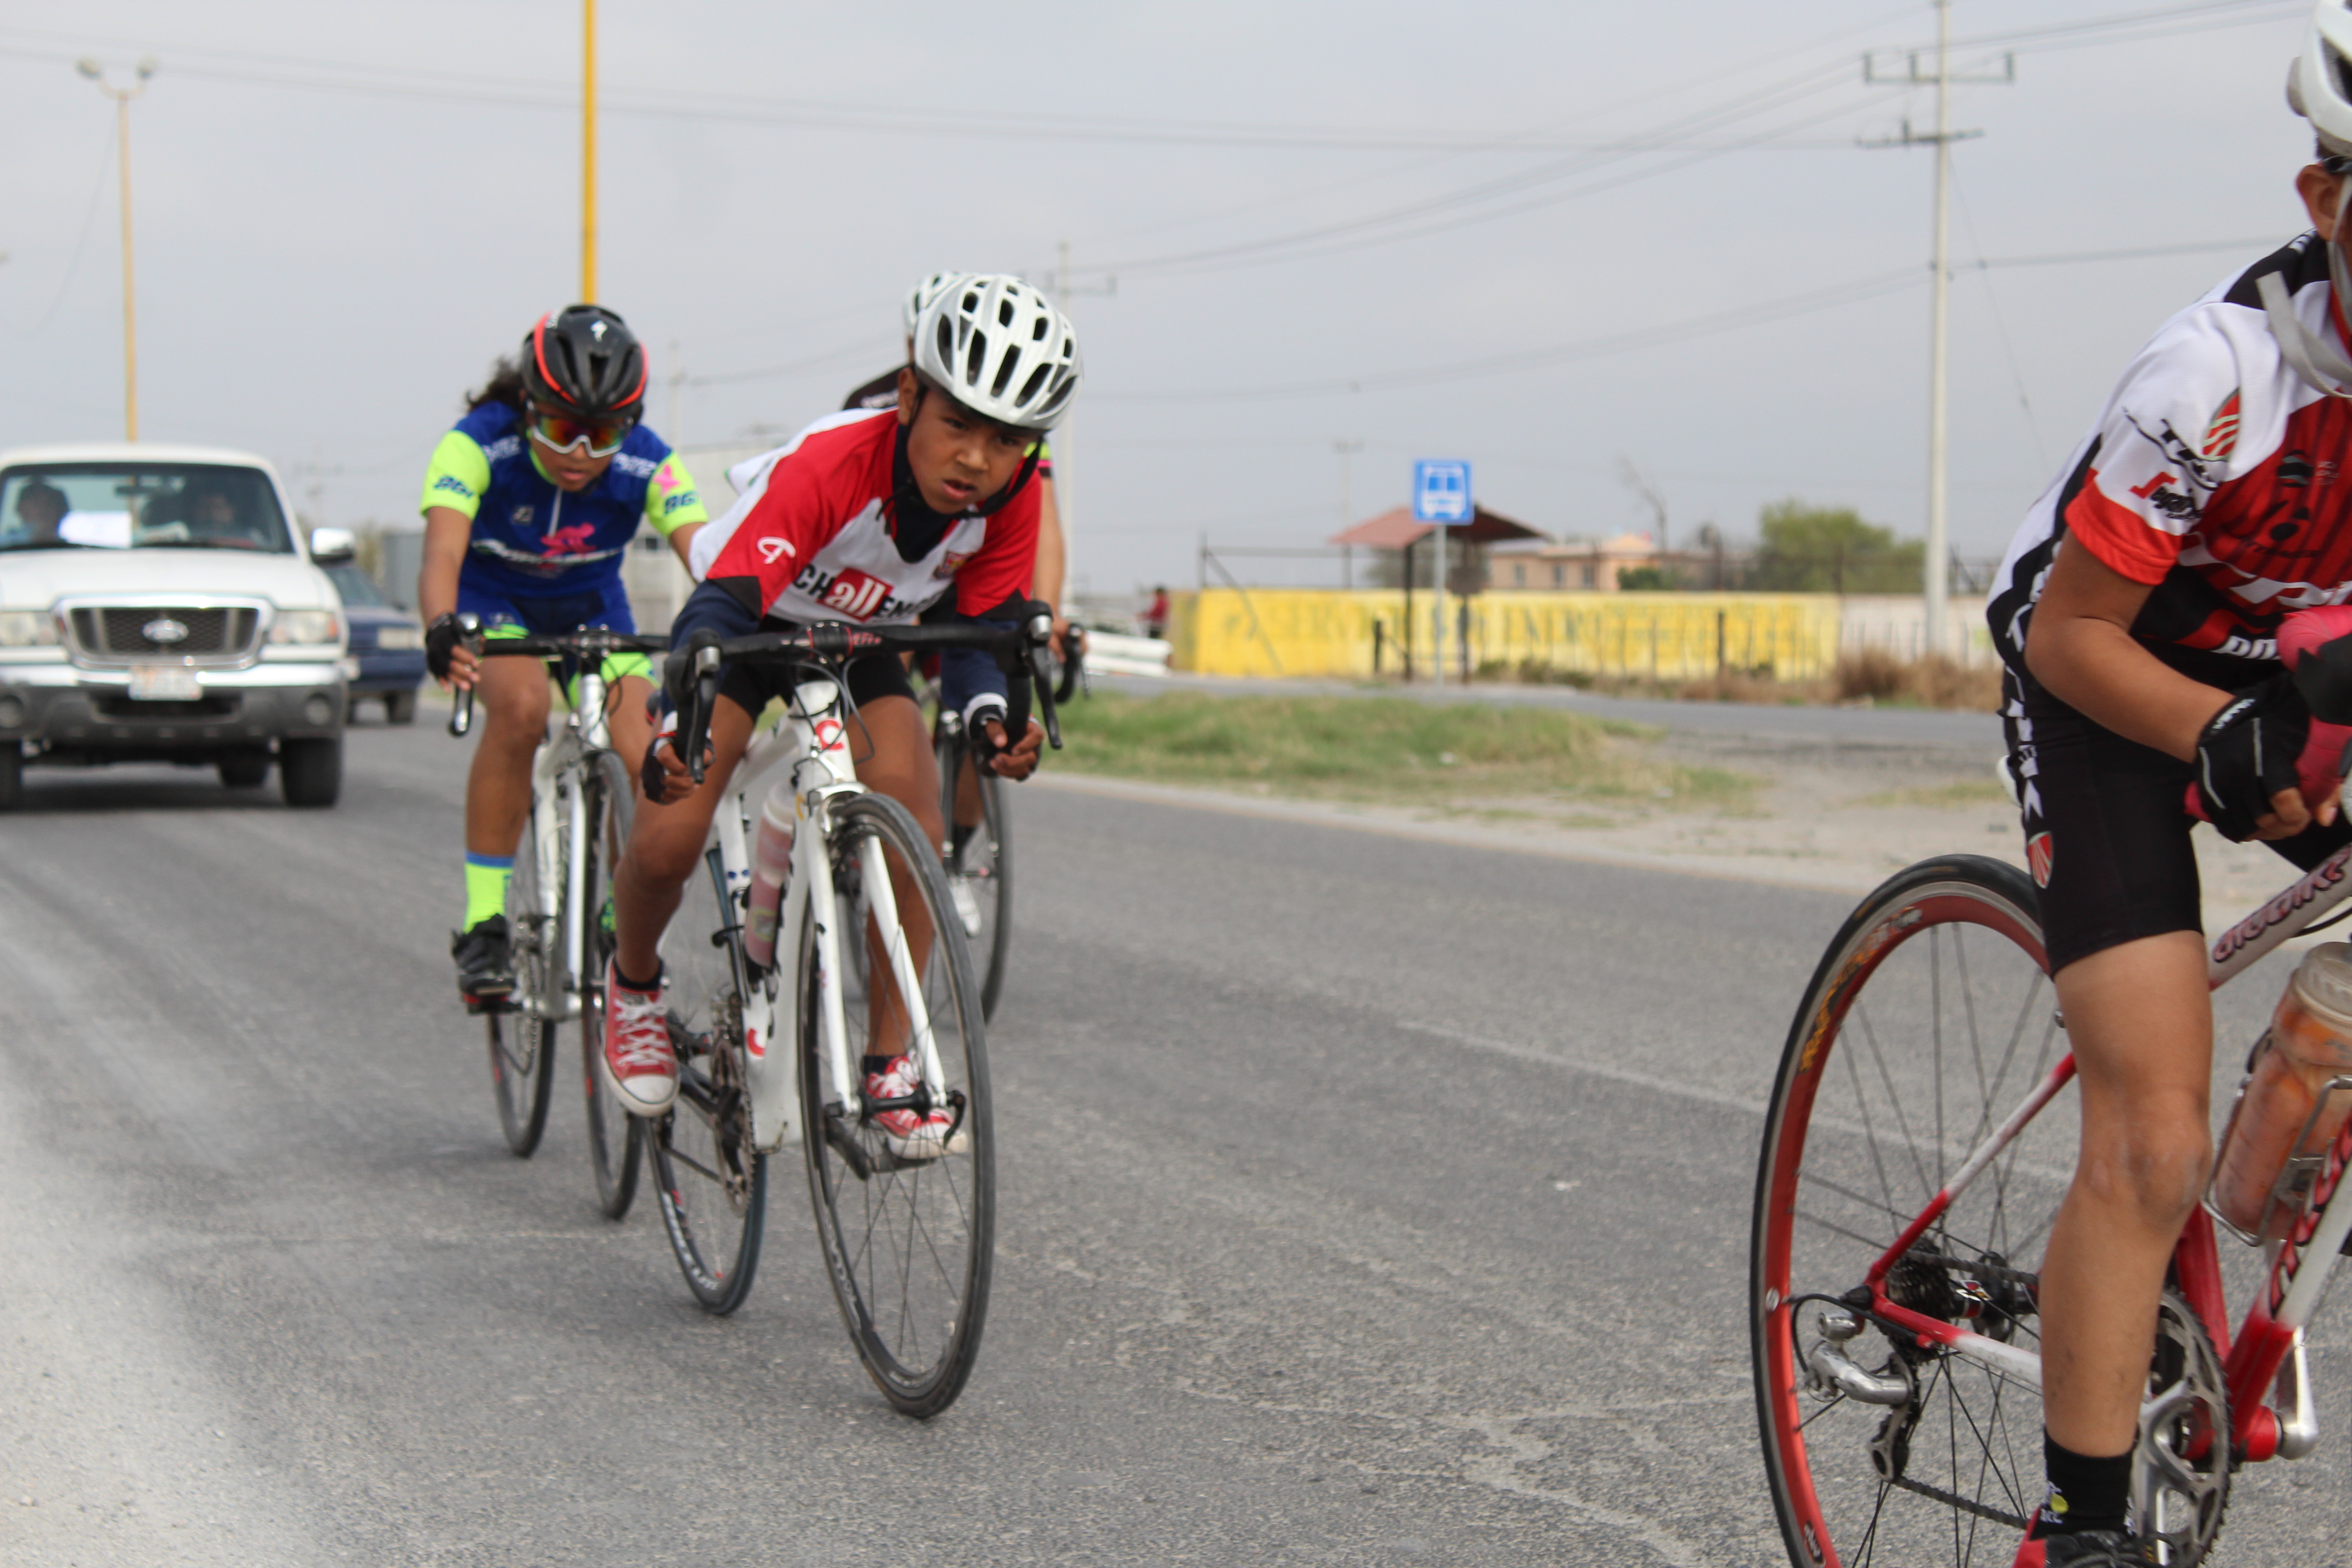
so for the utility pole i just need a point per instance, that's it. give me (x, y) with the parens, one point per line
(1064, 441)
(677, 382)
(122, 97)
(1936, 586)
(587, 151)
(1347, 450)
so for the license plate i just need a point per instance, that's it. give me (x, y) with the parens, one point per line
(164, 683)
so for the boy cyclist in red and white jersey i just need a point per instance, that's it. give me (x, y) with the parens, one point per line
(866, 515)
(2138, 612)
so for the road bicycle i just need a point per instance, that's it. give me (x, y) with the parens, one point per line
(559, 905)
(1917, 1144)
(978, 854)
(771, 1053)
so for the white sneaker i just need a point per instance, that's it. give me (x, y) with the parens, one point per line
(640, 1068)
(967, 906)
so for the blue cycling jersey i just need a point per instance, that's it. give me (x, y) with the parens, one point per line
(533, 539)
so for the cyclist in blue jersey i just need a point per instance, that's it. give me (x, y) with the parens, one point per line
(529, 506)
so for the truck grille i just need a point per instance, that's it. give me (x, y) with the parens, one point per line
(120, 631)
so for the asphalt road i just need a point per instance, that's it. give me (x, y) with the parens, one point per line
(1364, 1201)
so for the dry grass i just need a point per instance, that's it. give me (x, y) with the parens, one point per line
(1380, 749)
(1869, 676)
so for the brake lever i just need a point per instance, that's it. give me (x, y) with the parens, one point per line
(706, 698)
(1074, 666)
(1040, 675)
(461, 716)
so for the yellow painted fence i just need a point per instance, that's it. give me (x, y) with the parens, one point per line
(1675, 636)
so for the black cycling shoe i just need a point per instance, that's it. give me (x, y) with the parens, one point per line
(485, 956)
(2097, 1549)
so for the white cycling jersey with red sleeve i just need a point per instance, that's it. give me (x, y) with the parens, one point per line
(829, 528)
(2215, 475)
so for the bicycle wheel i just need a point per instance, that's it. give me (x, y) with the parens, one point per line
(616, 1149)
(521, 1038)
(1928, 1022)
(713, 1184)
(908, 1243)
(979, 870)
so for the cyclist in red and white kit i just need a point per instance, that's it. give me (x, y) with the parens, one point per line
(2139, 613)
(869, 517)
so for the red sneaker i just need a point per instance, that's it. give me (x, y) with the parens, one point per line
(640, 1068)
(907, 1134)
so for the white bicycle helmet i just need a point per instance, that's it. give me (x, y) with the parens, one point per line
(1000, 348)
(2319, 87)
(920, 295)
(2319, 83)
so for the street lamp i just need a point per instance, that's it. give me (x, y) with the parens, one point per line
(122, 97)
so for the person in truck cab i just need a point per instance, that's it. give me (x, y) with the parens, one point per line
(41, 509)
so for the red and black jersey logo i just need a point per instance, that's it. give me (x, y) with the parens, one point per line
(855, 595)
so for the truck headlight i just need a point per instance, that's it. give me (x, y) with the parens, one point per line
(28, 628)
(403, 638)
(306, 627)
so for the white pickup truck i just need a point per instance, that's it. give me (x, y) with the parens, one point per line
(157, 604)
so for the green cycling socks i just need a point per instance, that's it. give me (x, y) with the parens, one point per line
(486, 886)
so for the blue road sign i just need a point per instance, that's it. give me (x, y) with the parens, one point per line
(1441, 491)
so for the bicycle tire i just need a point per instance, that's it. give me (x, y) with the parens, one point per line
(1869, 1117)
(979, 868)
(713, 1185)
(521, 1038)
(915, 1305)
(615, 1141)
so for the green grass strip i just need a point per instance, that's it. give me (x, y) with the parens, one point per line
(1377, 748)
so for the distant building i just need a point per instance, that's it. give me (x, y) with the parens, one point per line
(1567, 565)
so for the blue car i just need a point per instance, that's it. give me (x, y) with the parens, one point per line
(387, 642)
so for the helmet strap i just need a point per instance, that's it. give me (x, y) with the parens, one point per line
(2316, 361)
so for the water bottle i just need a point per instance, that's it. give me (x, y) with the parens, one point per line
(772, 866)
(2309, 1043)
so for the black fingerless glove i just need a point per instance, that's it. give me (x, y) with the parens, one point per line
(2246, 753)
(650, 773)
(441, 640)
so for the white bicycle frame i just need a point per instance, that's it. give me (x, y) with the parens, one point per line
(563, 898)
(812, 740)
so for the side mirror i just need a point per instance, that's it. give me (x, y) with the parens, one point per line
(329, 545)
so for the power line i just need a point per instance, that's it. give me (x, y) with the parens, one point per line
(81, 242)
(260, 68)
(282, 71)
(1673, 137)
(872, 342)
(1851, 292)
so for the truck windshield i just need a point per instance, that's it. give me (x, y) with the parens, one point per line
(141, 506)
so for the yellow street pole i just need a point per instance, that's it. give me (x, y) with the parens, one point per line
(588, 151)
(129, 294)
(122, 97)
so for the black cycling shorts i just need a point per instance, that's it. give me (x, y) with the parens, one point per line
(2106, 829)
(752, 687)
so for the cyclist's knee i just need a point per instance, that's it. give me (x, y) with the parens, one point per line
(665, 845)
(2152, 1166)
(513, 711)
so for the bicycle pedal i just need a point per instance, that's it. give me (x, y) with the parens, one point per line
(477, 1006)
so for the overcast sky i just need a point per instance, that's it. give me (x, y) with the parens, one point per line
(345, 213)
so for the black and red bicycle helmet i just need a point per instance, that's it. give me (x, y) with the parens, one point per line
(584, 360)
